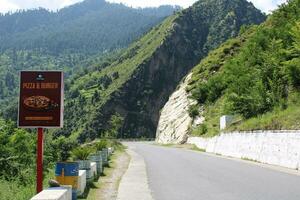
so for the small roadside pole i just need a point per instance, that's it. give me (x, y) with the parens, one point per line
(39, 160)
(41, 103)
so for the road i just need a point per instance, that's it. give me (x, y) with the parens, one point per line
(178, 174)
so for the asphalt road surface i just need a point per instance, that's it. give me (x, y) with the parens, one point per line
(178, 174)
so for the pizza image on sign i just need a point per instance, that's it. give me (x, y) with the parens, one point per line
(39, 103)
(41, 99)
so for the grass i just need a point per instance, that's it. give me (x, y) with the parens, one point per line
(195, 148)
(278, 119)
(212, 114)
(214, 62)
(14, 190)
(250, 160)
(288, 119)
(182, 146)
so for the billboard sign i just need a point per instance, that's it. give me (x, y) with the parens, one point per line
(41, 99)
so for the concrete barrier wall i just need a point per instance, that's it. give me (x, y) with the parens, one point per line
(58, 193)
(280, 148)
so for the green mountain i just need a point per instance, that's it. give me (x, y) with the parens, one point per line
(254, 77)
(92, 26)
(136, 85)
(76, 38)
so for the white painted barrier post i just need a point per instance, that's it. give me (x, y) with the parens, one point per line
(94, 169)
(81, 182)
(225, 121)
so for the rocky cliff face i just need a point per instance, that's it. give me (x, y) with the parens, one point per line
(174, 122)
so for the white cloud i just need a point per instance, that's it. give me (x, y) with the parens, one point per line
(267, 5)
(154, 3)
(6, 6)
(12, 5)
(68, 3)
(264, 5)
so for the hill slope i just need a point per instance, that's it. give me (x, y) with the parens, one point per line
(137, 85)
(253, 77)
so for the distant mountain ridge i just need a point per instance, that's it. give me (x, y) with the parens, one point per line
(90, 26)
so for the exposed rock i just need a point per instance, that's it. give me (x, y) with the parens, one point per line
(198, 120)
(53, 183)
(174, 123)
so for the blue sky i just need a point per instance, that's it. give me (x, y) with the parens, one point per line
(12, 5)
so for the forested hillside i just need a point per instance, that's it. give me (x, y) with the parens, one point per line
(136, 86)
(75, 39)
(92, 26)
(254, 77)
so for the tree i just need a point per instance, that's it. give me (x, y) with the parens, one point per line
(293, 65)
(115, 123)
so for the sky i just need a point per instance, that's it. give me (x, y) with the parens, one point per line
(13, 5)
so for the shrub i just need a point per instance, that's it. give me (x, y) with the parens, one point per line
(203, 129)
(193, 111)
(81, 153)
(211, 90)
(101, 144)
(200, 93)
(65, 145)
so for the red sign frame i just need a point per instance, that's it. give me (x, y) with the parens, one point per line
(41, 99)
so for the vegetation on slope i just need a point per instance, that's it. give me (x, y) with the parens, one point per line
(79, 35)
(78, 39)
(257, 82)
(18, 156)
(91, 91)
(138, 83)
(17, 160)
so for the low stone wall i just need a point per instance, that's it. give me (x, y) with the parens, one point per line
(280, 148)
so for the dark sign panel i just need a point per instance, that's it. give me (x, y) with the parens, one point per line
(41, 99)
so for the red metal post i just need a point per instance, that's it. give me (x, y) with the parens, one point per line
(39, 161)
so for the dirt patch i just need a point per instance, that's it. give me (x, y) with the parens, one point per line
(111, 182)
(106, 188)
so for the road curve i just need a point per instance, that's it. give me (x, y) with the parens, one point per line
(177, 174)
